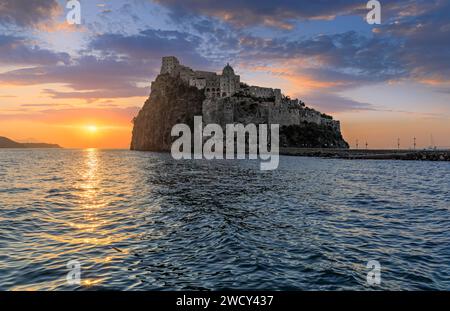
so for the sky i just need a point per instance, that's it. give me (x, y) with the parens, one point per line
(81, 85)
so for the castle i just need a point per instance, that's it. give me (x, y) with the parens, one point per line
(224, 85)
(225, 94)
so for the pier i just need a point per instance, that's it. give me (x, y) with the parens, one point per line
(359, 154)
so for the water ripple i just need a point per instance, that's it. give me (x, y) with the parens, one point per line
(141, 221)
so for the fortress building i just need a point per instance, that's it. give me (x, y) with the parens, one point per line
(214, 85)
(179, 93)
(226, 98)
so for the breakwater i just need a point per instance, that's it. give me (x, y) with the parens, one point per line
(358, 154)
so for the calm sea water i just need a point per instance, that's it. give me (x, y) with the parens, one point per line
(142, 221)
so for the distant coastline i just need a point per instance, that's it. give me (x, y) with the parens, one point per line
(9, 143)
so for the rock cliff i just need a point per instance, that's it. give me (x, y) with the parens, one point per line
(171, 102)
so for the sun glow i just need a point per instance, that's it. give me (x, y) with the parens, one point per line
(91, 129)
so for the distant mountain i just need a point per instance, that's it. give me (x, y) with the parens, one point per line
(28, 140)
(8, 143)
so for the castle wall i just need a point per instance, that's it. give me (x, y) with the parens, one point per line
(278, 96)
(264, 92)
(214, 85)
(185, 73)
(218, 111)
(212, 112)
(230, 110)
(199, 83)
(229, 85)
(169, 63)
(284, 115)
(261, 92)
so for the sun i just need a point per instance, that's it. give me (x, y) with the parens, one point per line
(91, 128)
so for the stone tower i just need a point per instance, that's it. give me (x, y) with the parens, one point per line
(229, 82)
(169, 64)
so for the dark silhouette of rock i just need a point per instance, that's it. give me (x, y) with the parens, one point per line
(171, 101)
(311, 135)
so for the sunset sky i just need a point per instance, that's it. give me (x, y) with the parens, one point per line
(81, 85)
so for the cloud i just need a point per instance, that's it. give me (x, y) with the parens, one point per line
(423, 32)
(64, 116)
(280, 14)
(19, 51)
(128, 91)
(410, 46)
(27, 13)
(331, 63)
(75, 115)
(411, 43)
(113, 65)
(332, 103)
(151, 45)
(90, 77)
(42, 105)
(349, 53)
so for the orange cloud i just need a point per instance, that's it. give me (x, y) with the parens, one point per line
(61, 27)
(435, 82)
(298, 83)
(308, 83)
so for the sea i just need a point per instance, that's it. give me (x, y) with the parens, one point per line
(94, 219)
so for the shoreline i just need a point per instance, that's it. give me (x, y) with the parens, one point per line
(370, 154)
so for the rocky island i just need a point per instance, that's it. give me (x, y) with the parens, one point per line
(179, 93)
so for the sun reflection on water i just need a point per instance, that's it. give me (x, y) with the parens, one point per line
(88, 229)
(92, 204)
(89, 190)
